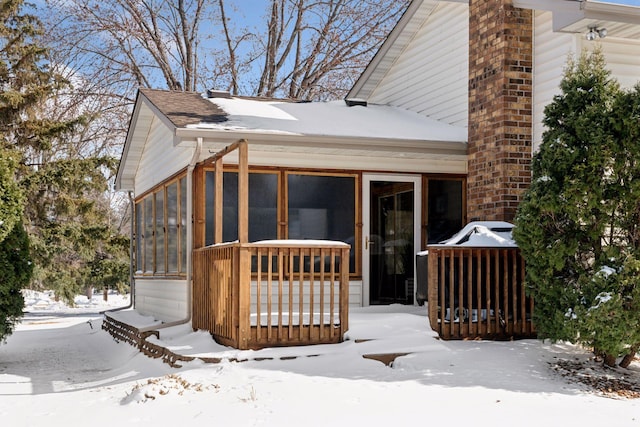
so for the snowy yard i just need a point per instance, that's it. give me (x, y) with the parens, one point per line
(60, 368)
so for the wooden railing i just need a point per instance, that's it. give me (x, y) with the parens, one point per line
(478, 293)
(274, 293)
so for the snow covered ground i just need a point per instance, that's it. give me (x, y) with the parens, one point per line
(60, 369)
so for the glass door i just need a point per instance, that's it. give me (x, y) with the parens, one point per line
(391, 208)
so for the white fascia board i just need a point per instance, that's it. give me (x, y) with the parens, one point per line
(124, 181)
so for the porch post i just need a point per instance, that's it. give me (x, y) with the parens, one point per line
(244, 267)
(218, 207)
(243, 192)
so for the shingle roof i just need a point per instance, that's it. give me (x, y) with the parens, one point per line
(184, 108)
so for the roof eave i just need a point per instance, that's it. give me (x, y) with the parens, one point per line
(188, 137)
(125, 179)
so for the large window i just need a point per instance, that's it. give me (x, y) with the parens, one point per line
(323, 208)
(161, 219)
(320, 207)
(263, 207)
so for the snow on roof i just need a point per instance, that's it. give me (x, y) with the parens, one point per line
(332, 118)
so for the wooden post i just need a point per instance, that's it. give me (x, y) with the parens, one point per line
(244, 265)
(198, 207)
(218, 202)
(432, 288)
(243, 192)
(344, 292)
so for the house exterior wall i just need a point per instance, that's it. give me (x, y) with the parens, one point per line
(430, 76)
(500, 108)
(551, 51)
(163, 299)
(160, 159)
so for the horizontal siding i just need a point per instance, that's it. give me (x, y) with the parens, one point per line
(419, 163)
(165, 300)
(431, 76)
(160, 159)
(623, 59)
(552, 50)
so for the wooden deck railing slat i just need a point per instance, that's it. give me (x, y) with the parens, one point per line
(478, 293)
(231, 299)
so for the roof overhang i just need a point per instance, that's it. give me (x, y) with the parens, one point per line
(577, 16)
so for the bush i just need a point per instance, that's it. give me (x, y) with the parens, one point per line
(16, 268)
(578, 225)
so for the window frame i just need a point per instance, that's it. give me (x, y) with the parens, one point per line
(149, 267)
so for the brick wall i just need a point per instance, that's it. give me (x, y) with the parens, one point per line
(500, 108)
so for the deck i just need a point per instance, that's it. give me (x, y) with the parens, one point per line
(275, 293)
(478, 292)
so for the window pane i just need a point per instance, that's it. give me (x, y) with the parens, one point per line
(159, 232)
(322, 207)
(172, 227)
(148, 234)
(139, 236)
(209, 199)
(444, 209)
(263, 202)
(183, 224)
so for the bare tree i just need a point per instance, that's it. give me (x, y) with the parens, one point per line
(148, 42)
(311, 49)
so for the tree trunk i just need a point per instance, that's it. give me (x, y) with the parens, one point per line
(628, 358)
(609, 360)
(89, 292)
(105, 294)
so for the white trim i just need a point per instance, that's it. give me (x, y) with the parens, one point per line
(366, 221)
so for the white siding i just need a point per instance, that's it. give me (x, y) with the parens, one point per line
(623, 59)
(418, 164)
(160, 159)
(431, 76)
(165, 300)
(551, 52)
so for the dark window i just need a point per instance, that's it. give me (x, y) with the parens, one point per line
(159, 232)
(444, 209)
(140, 236)
(263, 207)
(172, 227)
(148, 234)
(183, 225)
(322, 208)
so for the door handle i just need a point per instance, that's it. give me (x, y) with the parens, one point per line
(368, 242)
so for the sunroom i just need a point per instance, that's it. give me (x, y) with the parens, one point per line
(274, 199)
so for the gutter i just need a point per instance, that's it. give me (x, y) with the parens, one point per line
(189, 245)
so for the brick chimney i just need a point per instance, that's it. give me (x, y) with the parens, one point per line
(500, 108)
